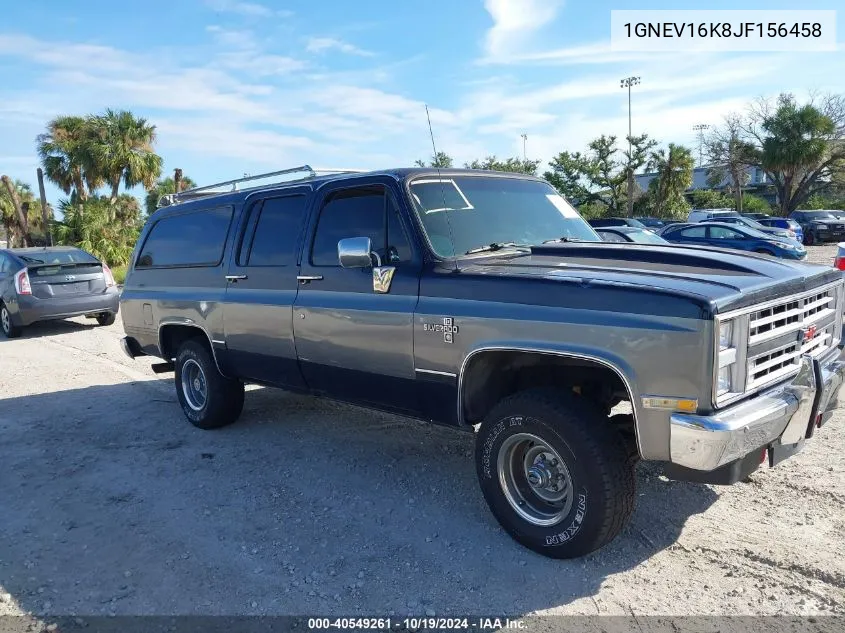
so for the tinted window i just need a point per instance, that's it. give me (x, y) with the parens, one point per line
(722, 233)
(58, 257)
(188, 239)
(696, 232)
(360, 213)
(277, 232)
(5, 264)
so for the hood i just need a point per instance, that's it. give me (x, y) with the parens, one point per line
(723, 279)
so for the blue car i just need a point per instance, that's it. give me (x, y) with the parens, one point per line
(734, 236)
(784, 223)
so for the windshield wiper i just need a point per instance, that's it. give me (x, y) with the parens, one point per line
(563, 239)
(495, 246)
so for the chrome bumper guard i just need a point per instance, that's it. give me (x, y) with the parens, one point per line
(781, 418)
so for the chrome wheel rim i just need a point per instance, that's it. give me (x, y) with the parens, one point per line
(534, 479)
(4, 318)
(194, 385)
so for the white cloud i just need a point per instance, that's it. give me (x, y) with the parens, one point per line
(324, 44)
(515, 20)
(249, 9)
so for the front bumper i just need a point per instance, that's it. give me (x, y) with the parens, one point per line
(779, 419)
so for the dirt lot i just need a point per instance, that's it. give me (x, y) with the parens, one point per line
(110, 502)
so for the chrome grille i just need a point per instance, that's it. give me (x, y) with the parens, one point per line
(766, 342)
(791, 315)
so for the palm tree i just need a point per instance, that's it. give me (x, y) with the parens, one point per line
(65, 151)
(674, 176)
(163, 187)
(122, 150)
(20, 212)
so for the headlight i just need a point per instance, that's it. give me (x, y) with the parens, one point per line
(724, 380)
(726, 331)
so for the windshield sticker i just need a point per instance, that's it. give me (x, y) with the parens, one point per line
(435, 195)
(562, 205)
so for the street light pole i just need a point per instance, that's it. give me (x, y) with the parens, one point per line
(700, 127)
(524, 142)
(628, 82)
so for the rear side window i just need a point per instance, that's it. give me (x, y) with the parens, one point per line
(694, 232)
(188, 239)
(275, 238)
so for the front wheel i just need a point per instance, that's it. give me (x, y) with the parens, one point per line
(555, 474)
(809, 238)
(209, 399)
(10, 330)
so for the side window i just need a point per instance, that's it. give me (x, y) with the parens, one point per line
(276, 233)
(361, 212)
(188, 239)
(5, 265)
(722, 233)
(695, 233)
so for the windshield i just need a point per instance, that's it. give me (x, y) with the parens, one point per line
(819, 215)
(637, 223)
(646, 237)
(753, 224)
(477, 211)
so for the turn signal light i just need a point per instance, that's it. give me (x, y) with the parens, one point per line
(673, 404)
(109, 277)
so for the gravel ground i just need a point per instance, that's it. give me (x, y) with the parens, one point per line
(111, 503)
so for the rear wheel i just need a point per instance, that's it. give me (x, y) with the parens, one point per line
(209, 399)
(555, 474)
(10, 330)
(105, 318)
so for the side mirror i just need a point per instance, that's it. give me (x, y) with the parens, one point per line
(354, 252)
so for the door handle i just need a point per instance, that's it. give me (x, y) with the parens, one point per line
(304, 279)
(235, 277)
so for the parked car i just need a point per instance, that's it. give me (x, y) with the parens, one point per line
(756, 216)
(736, 236)
(465, 297)
(630, 234)
(819, 226)
(701, 215)
(50, 283)
(596, 222)
(785, 223)
(654, 223)
(753, 224)
(839, 259)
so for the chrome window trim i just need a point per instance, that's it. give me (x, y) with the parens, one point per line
(548, 352)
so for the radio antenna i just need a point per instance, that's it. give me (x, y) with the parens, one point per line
(442, 189)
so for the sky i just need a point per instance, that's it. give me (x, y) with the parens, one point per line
(237, 87)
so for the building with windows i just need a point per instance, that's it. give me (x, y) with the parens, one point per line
(756, 179)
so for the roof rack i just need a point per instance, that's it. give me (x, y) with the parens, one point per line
(199, 192)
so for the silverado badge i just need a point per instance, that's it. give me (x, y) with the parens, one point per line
(448, 328)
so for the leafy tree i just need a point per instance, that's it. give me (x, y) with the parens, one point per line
(65, 150)
(730, 156)
(108, 230)
(801, 147)
(20, 213)
(122, 150)
(674, 176)
(163, 187)
(601, 173)
(755, 204)
(819, 201)
(517, 165)
(710, 199)
(441, 160)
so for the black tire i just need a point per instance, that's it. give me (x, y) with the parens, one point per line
(223, 397)
(809, 238)
(105, 318)
(595, 458)
(10, 330)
